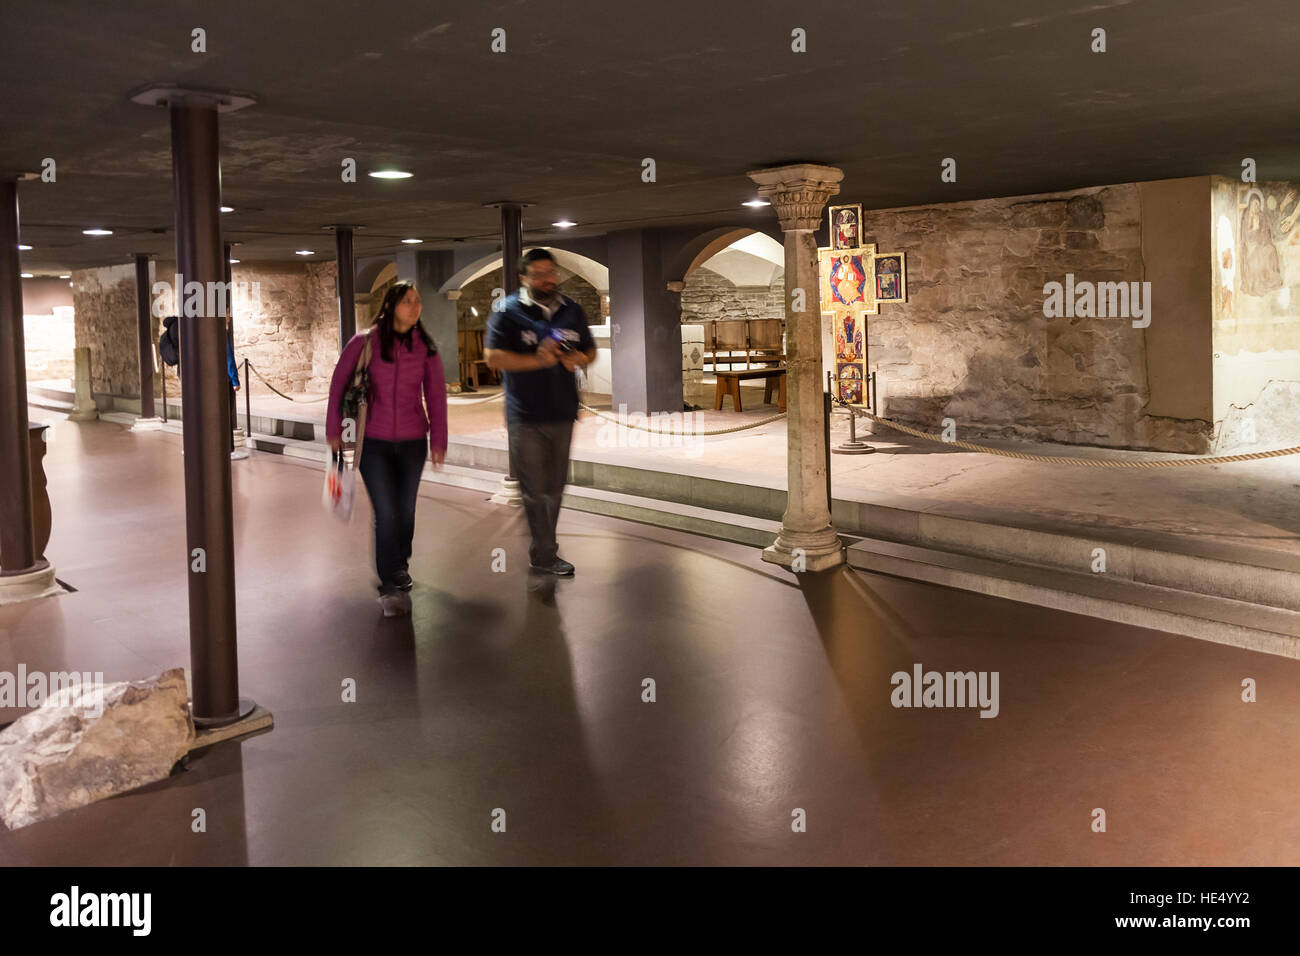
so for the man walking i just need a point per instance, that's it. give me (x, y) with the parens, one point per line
(537, 339)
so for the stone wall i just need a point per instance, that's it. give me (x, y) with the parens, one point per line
(478, 294)
(706, 296)
(285, 323)
(972, 342)
(104, 319)
(48, 341)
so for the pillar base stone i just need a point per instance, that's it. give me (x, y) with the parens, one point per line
(147, 424)
(814, 550)
(509, 493)
(83, 414)
(29, 585)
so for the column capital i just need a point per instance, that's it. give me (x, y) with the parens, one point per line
(676, 285)
(453, 294)
(798, 192)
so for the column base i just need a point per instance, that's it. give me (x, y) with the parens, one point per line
(818, 550)
(147, 424)
(509, 493)
(29, 585)
(83, 414)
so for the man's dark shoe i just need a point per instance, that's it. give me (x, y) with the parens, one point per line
(402, 581)
(559, 567)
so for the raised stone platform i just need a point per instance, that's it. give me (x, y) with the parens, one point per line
(1041, 534)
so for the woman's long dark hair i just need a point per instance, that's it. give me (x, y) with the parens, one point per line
(384, 322)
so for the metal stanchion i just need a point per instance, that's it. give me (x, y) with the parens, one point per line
(248, 404)
(853, 446)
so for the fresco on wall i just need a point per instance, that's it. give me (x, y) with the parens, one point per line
(1257, 264)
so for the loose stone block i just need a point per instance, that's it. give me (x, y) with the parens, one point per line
(88, 742)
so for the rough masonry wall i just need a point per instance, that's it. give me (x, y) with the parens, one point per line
(48, 341)
(478, 294)
(285, 323)
(289, 328)
(972, 343)
(706, 296)
(104, 319)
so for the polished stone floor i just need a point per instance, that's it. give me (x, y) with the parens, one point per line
(772, 695)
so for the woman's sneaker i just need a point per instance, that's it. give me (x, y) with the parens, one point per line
(395, 603)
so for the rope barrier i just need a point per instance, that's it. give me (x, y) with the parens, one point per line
(665, 431)
(1082, 462)
(303, 401)
(477, 401)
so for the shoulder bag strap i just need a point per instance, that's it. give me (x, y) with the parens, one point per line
(362, 365)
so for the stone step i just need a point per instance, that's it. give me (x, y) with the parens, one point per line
(1205, 617)
(710, 523)
(48, 389)
(1252, 576)
(49, 404)
(1257, 576)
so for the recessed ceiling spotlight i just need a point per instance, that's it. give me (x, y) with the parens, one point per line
(389, 174)
(564, 224)
(473, 310)
(97, 232)
(411, 242)
(227, 208)
(66, 277)
(22, 248)
(26, 275)
(303, 252)
(234, 262)
(755, 203)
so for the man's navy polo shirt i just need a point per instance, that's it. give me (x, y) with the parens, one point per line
(544, 394)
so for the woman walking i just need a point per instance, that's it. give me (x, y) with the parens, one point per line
(403, 366)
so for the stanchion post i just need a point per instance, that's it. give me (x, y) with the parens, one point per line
(826, 425)
(248, 404)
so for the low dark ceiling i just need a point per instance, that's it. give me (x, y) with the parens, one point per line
(1009, 88)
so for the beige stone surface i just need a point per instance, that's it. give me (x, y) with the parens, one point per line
(61, 755)
(972, 344)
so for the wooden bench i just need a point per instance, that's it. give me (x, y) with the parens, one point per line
(729, 384)
(732, 341)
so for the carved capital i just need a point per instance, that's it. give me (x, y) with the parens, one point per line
(798, 192)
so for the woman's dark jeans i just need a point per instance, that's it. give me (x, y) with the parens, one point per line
(391, 471)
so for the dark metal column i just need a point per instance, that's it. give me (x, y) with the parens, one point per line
(230, 300)
(209, 531)
(144, 333)
(17, 535)
(512, 247)
(512, 244)
(347, 272)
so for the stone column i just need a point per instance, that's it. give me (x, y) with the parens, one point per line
(83, 408)
(806, 541)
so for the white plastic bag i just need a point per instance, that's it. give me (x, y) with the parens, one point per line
(340, 487)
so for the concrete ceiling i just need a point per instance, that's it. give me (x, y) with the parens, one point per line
(587, 89)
